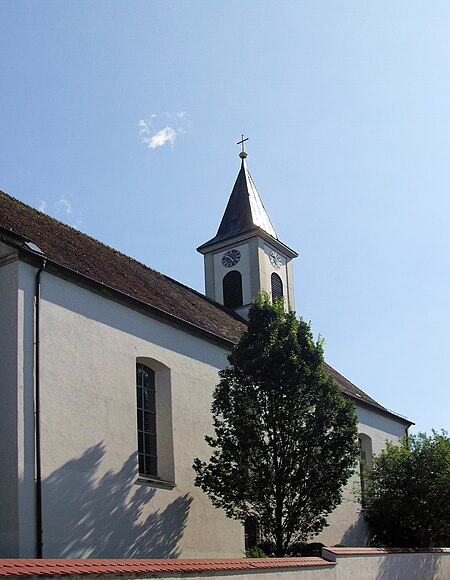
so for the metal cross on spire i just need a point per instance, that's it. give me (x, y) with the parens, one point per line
(242, 154)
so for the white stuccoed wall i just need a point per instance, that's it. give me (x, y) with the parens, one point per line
(94, 505)
(9, 484)
(346, 522)
(17, 487)
(389, 564)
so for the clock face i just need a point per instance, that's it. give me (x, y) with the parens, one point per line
(231, 258)
(275, 260)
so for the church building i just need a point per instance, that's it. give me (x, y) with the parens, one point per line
(107, 370)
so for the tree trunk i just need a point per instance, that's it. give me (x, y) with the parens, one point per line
(279, 548)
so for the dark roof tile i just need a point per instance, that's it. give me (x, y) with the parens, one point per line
(350, 389)
(78, 252)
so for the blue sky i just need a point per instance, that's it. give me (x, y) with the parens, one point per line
(121, 118)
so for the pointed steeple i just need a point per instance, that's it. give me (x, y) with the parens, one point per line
(245, 211)
(246, 256)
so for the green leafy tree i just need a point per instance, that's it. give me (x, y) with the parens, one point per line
(407, 492)
(285, 437)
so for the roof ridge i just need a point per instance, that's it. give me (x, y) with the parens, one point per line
(80, 232)
(43, 229)
(341, 375)
(355, 386)
(116, 251)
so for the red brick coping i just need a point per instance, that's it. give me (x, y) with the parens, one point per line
(28, 567)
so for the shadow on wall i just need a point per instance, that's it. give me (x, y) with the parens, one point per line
(87, 515)
(409, 567)
(357, 534)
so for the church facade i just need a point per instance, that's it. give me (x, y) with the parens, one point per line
(107, 370)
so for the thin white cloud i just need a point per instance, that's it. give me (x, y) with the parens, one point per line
(62, 209)
(63, 206)
(166, 135)
(177, 115)
(143, 127)
(154, 136)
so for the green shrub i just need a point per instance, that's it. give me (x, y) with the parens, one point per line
(256, 552)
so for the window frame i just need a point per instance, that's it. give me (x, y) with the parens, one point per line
(147, 431)
(365, 458)
(165, 477)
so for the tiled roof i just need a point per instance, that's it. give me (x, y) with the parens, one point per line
(78, 252)
(28, 567)
(350, 389)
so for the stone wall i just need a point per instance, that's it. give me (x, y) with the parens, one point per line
(335, 564)
(389, 563)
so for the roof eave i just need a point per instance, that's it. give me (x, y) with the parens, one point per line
(35, 258)
(379, 409)
(111, 293)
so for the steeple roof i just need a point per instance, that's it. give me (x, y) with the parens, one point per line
(245, 210)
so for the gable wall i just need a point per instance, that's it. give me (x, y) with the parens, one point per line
(93, 503)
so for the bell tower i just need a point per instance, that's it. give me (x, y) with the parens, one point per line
(246, 256)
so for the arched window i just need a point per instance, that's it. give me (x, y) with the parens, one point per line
(365, 457)
(146, 420)
(232, 289)
(277, 287)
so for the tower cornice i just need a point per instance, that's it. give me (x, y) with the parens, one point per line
(219, 244)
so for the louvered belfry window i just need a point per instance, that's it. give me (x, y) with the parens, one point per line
(232, 289)
(277, 287)
(146, 420)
